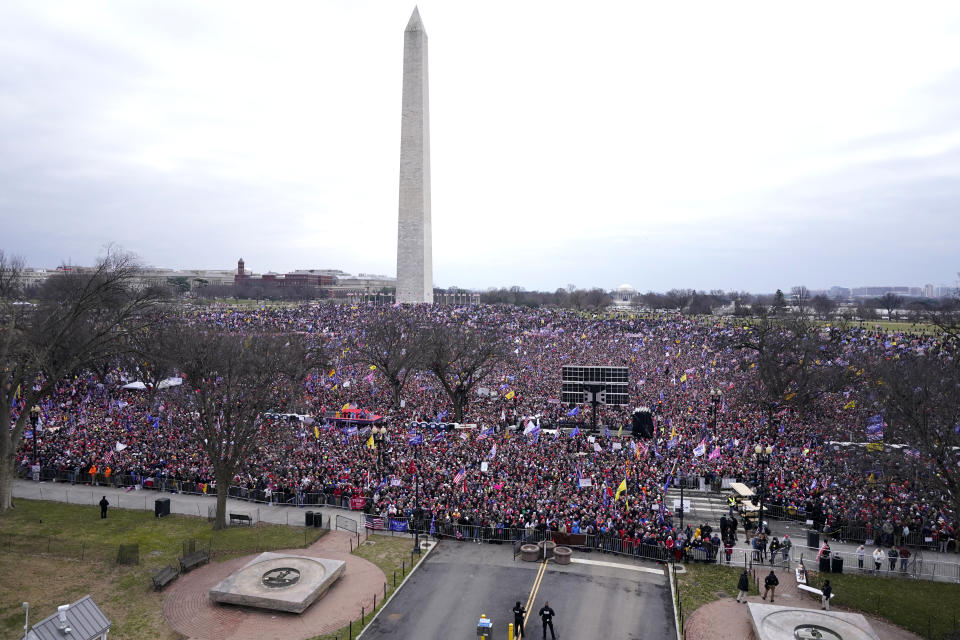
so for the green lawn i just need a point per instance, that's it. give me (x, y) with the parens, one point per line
(392, 555)
(42, 543)
(921, 606)
(918, 605)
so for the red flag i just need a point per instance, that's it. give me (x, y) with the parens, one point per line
(412, 470)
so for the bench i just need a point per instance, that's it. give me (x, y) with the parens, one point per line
(193, 560)
(164, 576)
(816, 592)
(241, 518)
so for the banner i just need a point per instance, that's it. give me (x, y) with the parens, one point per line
(357, 503)
(398, 525)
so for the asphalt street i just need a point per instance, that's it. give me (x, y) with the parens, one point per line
(460, 581)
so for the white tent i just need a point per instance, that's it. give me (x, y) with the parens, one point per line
(170, 382)
(139, 386)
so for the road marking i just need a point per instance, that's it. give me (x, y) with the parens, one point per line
(533, 591)
(617, 565)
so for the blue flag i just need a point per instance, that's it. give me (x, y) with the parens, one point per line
(417, 439)
(573, 412)
(398, 525)
(575, 432)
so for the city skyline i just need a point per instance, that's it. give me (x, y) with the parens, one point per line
(745, 148)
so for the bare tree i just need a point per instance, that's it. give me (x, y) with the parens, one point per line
(460, 358)
(801, 299)
(823, 305)
(794, 363)
(891, 302)
(230, 381)
(80, 318)
(919, 394)
(389, 343)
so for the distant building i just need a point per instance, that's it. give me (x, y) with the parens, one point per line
(623, 294)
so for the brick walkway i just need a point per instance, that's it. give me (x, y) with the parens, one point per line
(189, 610)
(726, 619)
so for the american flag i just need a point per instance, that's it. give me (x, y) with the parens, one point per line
(373, 522)
(460, 475)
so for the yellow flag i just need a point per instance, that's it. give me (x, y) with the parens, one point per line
(673, 432)
(850, 405)
(683, 378)
(510, 395)
(316, 432)
(345, 407)
(620, 431)
(370, 443)
(874, 446)
(373, 367)
(331, 374)
(620, 489)
(790, 396)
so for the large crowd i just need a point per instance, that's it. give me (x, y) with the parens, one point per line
(531, 460)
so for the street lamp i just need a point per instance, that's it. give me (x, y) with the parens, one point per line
(416, 504)
(763, 459)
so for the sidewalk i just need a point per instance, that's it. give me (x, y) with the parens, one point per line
(185, 504)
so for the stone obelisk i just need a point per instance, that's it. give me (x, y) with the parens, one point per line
(414, 241)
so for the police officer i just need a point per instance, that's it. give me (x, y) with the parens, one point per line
(519, 611)
(103, 507)
(546, 617)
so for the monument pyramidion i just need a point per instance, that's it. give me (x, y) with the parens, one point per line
(414, 235)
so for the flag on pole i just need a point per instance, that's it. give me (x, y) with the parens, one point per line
(850, 405)
(621, 489)
(370, 443)
(573, 412)
(417, 439)
(575, 432)
(460, 475)
(620, 431)
(493, 451)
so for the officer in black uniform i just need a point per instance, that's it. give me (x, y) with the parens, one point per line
(103, 507)
(546, 617)
(519, 611)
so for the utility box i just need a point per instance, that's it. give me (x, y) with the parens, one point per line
(161, 507)
(484, 628)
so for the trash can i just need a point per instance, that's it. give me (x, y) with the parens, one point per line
(836, 564)
(824, 564)
(310, 518)
(161, 507)
(318, 519)
(813, 539)
(484, 628)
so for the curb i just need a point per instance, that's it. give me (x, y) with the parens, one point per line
(397, 590)
(673, 601)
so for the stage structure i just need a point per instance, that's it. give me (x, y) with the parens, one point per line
(595, 384)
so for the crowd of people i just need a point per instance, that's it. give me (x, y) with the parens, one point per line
(528, 459)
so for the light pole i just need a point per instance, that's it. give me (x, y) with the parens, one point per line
(763, 460)
(416, 503)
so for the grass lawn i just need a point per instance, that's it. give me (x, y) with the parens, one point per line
(41, 544)
(704, 583)
(918, 605)
(391, 555)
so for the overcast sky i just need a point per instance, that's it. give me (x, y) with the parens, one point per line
(714, 145)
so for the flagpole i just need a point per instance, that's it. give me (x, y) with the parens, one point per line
(416, 508)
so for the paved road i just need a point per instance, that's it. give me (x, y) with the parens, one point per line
(459, 582)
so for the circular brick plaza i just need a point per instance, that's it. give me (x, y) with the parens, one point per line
(189, 610)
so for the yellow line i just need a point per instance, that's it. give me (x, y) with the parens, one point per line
(533, 591)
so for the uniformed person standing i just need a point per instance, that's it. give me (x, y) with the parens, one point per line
(103, 507)
(519, 611)
(546, 617)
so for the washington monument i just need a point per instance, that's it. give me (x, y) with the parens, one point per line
(414, 243)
